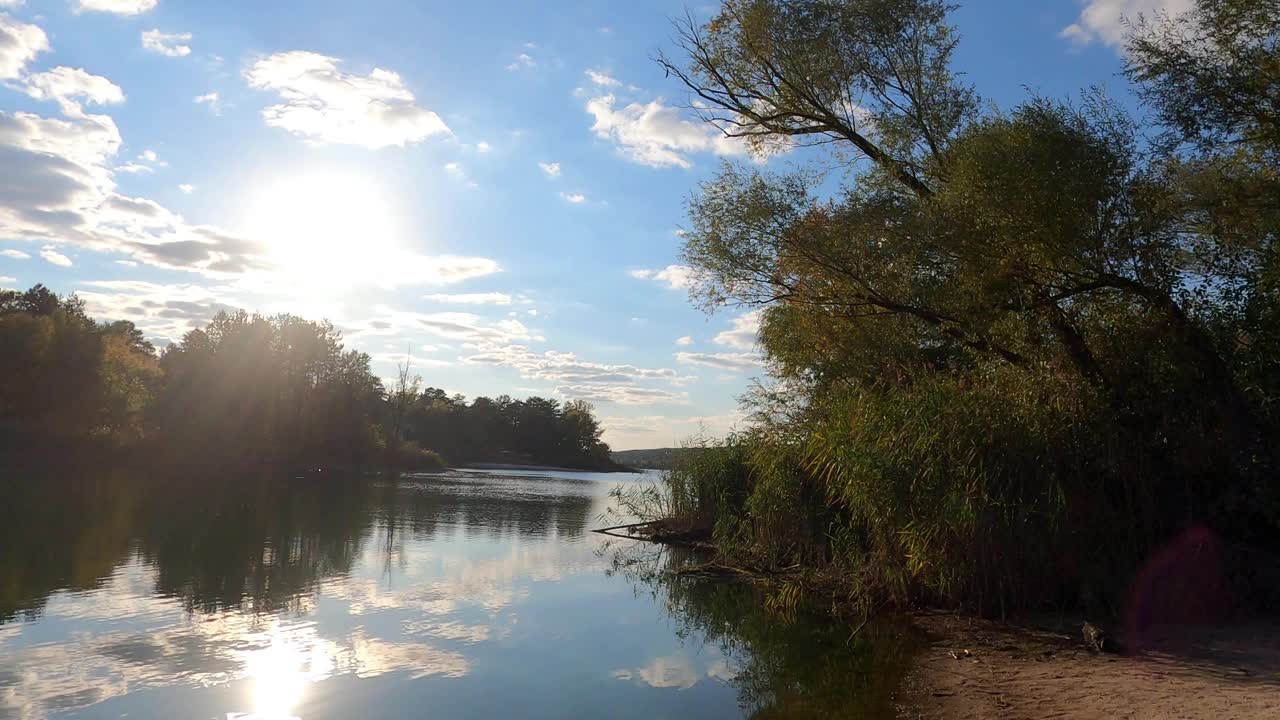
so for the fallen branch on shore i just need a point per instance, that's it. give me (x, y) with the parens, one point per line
(660, 531)
(628, 526)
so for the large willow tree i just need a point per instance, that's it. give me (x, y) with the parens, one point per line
(1056, 251)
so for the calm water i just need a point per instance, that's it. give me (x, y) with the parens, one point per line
(467, 595)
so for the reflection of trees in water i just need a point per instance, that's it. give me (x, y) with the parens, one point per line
(214, 542)
(256, 546)
(485, 508)
(800, 666)
(56, 536)
(252, 543)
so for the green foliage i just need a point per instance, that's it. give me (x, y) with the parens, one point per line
(274, 388)
(653, 458)
(1014, 352)
(249, 389)
(1212, 73)
(409, 457)
(790, 658)
(534, 430)
(62, 377)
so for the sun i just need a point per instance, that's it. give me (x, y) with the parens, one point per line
(323, 231)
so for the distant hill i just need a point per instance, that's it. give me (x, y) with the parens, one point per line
(654, 459)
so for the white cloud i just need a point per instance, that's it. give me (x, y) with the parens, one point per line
(147, 162)
(407, 268)
(676, 277)
(66, 85)
(621, 394)
(167, 44)
(720, 361)
(483, 146)
(467, 327)
(19, 44)
(6, 279)
(602, 79)
(675, 671)
(15, 254)
(573, 198)
(210, 99)
(685, 341)
(563, 367)
(119, 7)
(52, 256)
(325, 105)
(458, 173)
(59, 186)
(581, 379)
(164, 312)
(492, 298)
(551, 170)
(650, 431)
(523, 60)
(417, 362)
(1104, 20)
(187, 188)
(744, 332)
(654, 134)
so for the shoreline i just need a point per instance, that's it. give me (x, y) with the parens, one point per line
(536, 468)
(973, 668)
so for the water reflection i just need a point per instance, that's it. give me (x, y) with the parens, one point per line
(469, 593)
(804, 664)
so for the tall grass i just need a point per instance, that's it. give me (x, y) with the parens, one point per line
(995, 494)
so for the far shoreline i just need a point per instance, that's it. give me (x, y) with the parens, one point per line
(540, 468)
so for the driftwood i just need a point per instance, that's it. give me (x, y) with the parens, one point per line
(660, 533)
(613, 531)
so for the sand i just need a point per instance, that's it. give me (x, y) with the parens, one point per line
(978, 669)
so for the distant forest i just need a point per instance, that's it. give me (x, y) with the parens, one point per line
(250, 389)
(651, 459)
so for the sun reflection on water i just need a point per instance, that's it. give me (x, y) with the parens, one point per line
(279, 674)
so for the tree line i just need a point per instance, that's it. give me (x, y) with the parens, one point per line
(250, 389)
(502, 429)
(1011, 352)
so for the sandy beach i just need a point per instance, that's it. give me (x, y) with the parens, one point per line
(979, 669)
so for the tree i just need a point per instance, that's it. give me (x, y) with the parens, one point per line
(1211, 74)
(993, 237)
(274, 388)
(51, 355)
(399, 401)
(582, 431)
(1009, 348)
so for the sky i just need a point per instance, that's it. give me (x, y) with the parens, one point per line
(495, 190)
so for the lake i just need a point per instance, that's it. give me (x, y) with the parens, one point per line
(470, 594)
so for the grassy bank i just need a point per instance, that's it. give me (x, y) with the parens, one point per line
(1019, 357)
(992, 497)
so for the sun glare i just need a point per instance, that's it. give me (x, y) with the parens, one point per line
(279, 679)
(327, 231)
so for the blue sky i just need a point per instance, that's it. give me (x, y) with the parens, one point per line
(494, 187)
